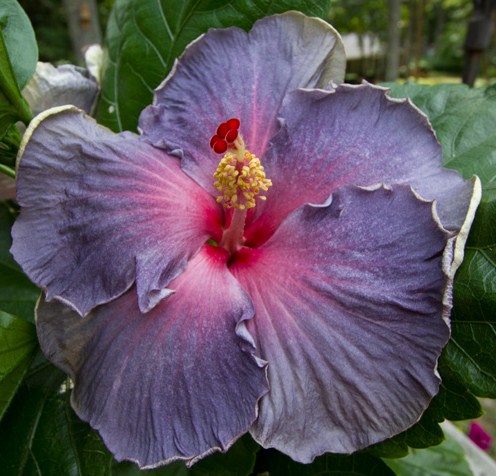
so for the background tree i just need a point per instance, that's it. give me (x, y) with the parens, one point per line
(83, 23)
(393, 40)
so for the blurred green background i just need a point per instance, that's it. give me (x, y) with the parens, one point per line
(431, 36)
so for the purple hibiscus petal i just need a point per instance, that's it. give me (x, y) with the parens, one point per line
(176, 383)
(107, 209)
(352, 324)
(231, 73)
(354, 135)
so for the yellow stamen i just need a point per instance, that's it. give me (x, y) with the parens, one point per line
(240, 180)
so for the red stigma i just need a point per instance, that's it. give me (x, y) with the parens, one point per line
(226, 133)
(231, 135)
(233, 123)
(218, 144)
(222, 130)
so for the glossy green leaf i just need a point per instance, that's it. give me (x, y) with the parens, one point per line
(18, 57)
(9, 91)
(19, 40)
(465, 122)
(18, 345)
(454, 401)
(463, 119)
(447, 459)
(145, 37)
(9, 145)
(19, 425)
(18, 295)
(358, 464)
(41, 435)
(472, 349)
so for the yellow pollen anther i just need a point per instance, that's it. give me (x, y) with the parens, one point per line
(240, 181)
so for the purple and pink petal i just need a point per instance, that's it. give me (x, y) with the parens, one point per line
(179, 382)
(100, 211)
(349, 314)
(232, 73)
(354, 135)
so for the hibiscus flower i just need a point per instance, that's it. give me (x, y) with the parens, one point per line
(302, 294)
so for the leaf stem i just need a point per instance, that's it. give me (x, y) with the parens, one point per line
(7, 171)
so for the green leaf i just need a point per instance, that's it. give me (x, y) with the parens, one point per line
(471, 352)
(454, 401)
(18, 57)
(19, 425)
(9, 145)
(9, 91)
(358, 464)
(19, 41)
(40, 434)
(447, 459)
(463, 119)
(129, 469)
(238, 461)
(465, 122)
(18, 346)
(144, 38)
(18, 295)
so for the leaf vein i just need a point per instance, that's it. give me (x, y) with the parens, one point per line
(148, 41)
(472, 360)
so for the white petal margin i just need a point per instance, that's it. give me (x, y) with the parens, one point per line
(461, 239)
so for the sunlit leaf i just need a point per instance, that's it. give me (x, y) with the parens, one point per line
(9, 91)
(447, 459)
